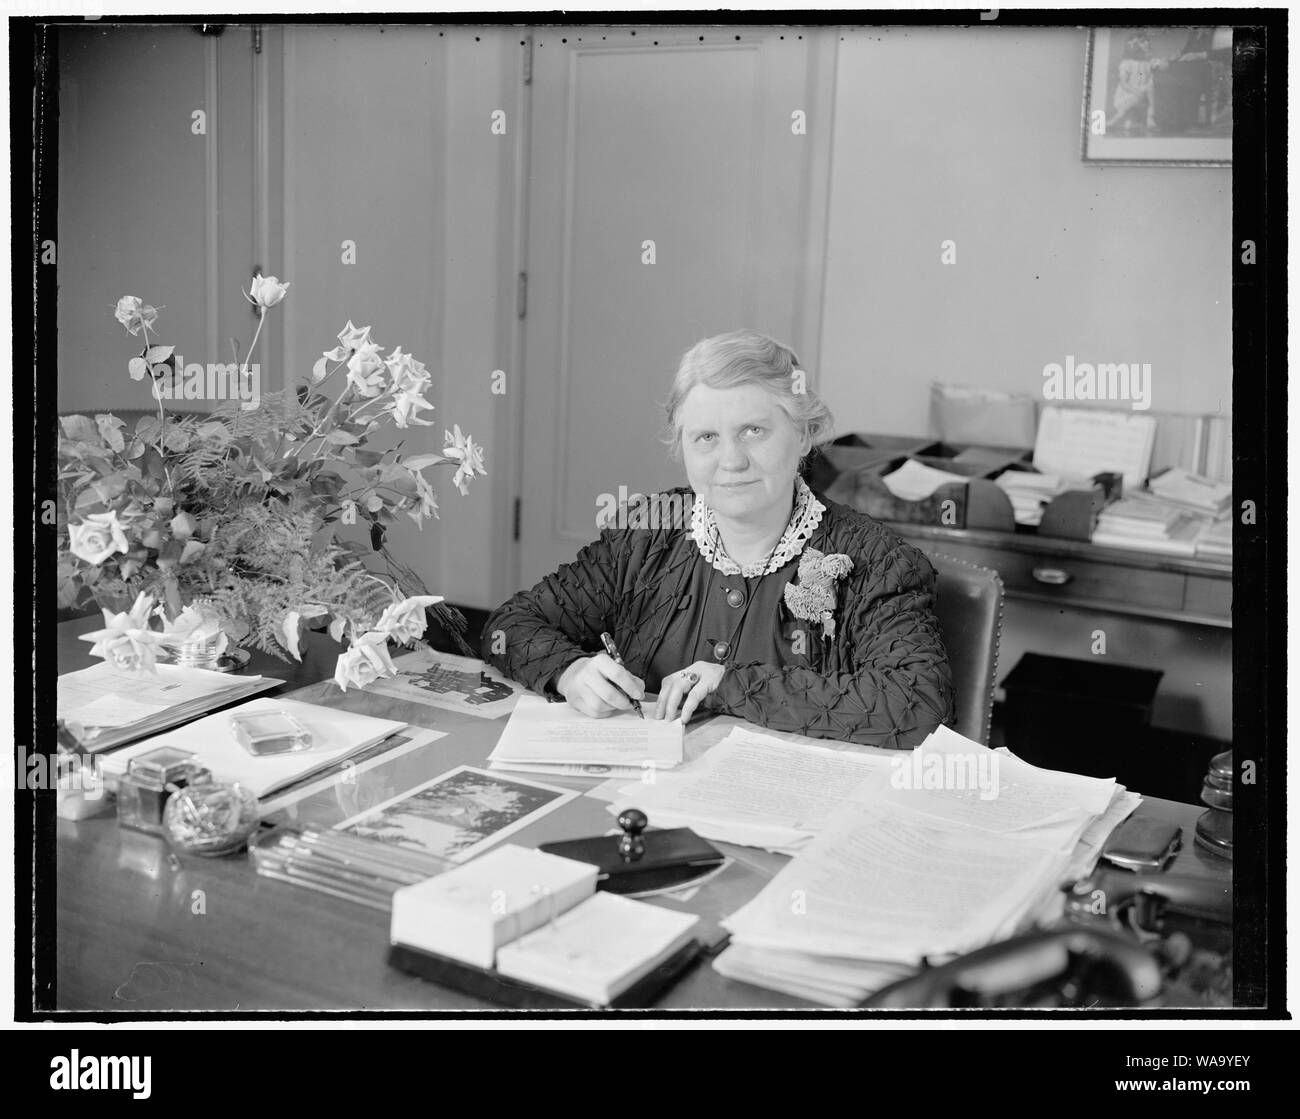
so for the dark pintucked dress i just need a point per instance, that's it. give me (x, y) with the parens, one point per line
(731, 619)
(881, 680)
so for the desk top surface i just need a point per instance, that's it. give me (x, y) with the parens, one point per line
(1058, 546)
(134, 935)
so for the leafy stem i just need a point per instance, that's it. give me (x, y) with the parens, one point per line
(261, 318)
(320, 427)
(162, 416)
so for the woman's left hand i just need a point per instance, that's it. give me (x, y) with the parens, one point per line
(686, 689)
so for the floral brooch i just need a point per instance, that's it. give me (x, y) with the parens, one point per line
(812, 597)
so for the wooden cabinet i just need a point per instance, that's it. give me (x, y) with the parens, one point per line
(1149, 611)
(1080, 575)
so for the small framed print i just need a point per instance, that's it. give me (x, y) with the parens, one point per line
(1158, 95)
(457, 815)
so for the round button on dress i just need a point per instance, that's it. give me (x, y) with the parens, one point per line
(735, 598)
(720, 650)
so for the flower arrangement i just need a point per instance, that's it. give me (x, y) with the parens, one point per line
(228, 526)
(812, 598)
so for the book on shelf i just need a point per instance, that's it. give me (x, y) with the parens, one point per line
(1215, 539)
(1147, 523)
(1140, 515)
(115, 707)
(1194, 491)
(1181, 542)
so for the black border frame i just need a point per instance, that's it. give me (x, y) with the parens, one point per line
(1259, 459)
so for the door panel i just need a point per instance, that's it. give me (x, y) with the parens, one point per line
(688, 145)
(150, 202)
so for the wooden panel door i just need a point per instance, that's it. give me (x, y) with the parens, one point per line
(676, 190)
(163, 157)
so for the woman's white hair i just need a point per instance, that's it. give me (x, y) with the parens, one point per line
(746, 357)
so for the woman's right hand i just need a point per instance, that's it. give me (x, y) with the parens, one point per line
(599, 687)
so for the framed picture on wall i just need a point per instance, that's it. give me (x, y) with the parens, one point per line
(1158, 95)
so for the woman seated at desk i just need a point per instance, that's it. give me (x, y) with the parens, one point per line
(744, 595)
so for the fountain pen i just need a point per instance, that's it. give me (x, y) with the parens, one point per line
(617, 658)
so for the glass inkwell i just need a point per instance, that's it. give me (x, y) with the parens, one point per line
(150, 779)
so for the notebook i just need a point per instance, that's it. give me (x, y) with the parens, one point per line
(468, 913)
(335, 735)
(598, 949)
(115, 707)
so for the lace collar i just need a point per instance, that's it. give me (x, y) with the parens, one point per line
(804, 519)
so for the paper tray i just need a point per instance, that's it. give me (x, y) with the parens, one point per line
(489, 984)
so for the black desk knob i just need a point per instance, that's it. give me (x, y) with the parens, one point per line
(630, 845)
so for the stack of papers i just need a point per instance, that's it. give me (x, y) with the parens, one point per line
(115, 707)
(1215, 539)
(553, 738)
(1148, 524)
(1030, 493)
(914, 481)
(335, 735)
(755, 791)
(956, 847)
(1194, 491)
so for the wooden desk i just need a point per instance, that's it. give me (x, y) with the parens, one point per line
(134, 935)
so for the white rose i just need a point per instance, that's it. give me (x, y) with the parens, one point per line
(405, 408)
(405, 621)
(126, 641)
(365, 370)
(353, 337)
(133, 314)
(409, 375)
(364, 663)
(267, 291)
(132, 651)
(97, 537)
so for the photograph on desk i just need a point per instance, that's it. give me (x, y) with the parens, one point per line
(494, 452)
(459, 814)
(439, 679)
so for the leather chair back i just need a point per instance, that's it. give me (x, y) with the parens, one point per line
(968, 605)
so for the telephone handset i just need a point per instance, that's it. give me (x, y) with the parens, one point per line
(1151, 902)
(1128, 940)
(1066, 966)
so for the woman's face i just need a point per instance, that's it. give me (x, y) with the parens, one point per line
(741, 451)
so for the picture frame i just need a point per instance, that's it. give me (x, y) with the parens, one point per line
(1158, 96)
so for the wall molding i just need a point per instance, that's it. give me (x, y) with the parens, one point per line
(211, 194)
(261, 246)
